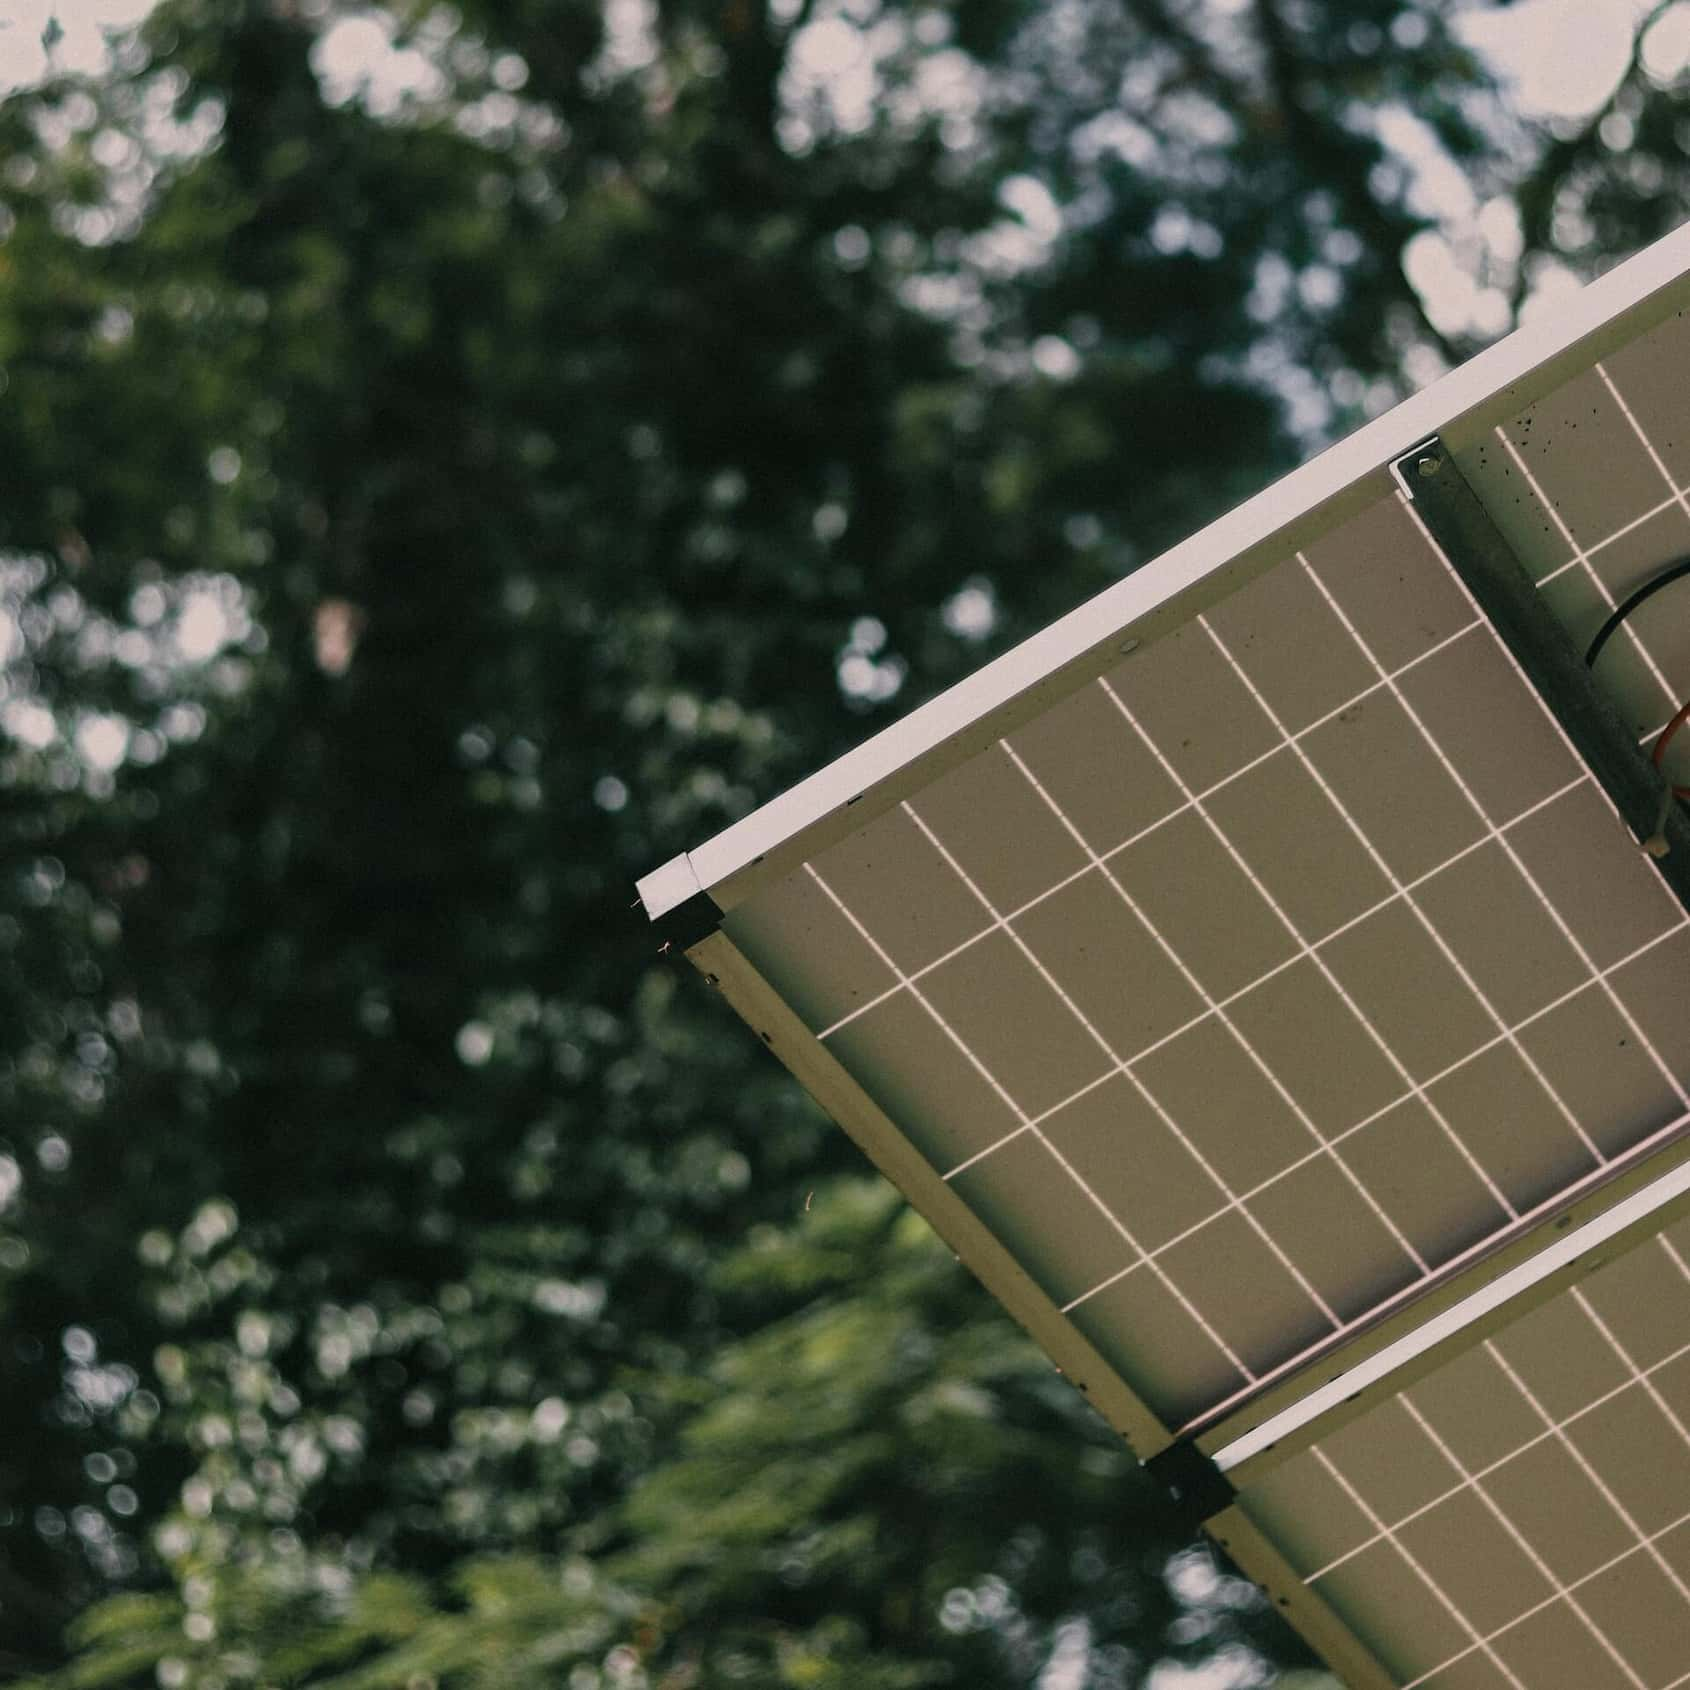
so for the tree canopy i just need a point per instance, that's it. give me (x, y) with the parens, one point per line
(452, 458)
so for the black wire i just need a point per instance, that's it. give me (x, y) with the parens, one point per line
(1621, 611)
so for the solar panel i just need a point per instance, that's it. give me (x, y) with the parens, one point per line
(1256, 975)
(1278, 997)
(1520, 1518)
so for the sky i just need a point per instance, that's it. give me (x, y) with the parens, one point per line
(24, 22)
(1565, 57)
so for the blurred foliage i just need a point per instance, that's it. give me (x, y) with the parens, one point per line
(452, 459)
(881, 1485)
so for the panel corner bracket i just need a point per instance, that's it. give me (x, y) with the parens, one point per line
(1199, 1489)
(1406, 470)
(677, 930)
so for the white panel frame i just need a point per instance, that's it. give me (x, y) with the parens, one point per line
(1461, 407)
(1463, 1324)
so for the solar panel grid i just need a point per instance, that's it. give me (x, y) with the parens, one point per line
(1590, 487)
(1295, 966)
(1522, 1516)
(1082, 969)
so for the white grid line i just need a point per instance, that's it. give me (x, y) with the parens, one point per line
(1588, 1468)
(1342, 992)
(1549, 1602)
(1677, 1260)
(1640, 1378)
(1275, 1248)
(1196, 1315)
(1144, 832)
(1648, 445)
(1619, 533)
(1526, 1546)
(1554, 722)
(1491, 829)
(1620, 1007)
(1326, 939)
(1407, 1555)
(1549, 715)
(1557, 1201)
(1647, 1543)
(1677, 493)
(1256, 1059)
(1582, 558)
(1366, 1121)
(1643, 1376)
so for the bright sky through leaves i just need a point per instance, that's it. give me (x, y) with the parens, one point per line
(1562, 56)
(1562, 59)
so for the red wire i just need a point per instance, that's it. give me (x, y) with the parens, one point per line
(1665, 740)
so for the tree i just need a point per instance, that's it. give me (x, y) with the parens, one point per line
(877, 1486)
(430, 501)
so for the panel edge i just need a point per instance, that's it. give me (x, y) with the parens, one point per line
(1308, 1613)
(1170, 588)
(726, 968)
(1590, 1231)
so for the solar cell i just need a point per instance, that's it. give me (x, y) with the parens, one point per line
(1256, 977)
(1520, 1517)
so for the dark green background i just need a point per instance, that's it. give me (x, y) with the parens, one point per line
(405, 1278)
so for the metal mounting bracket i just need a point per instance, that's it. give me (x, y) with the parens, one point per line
(1492, 571)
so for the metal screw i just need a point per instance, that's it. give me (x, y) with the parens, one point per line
(1430, 465)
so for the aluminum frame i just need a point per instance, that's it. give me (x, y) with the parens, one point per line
(1314, 1619)
(728, 970)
